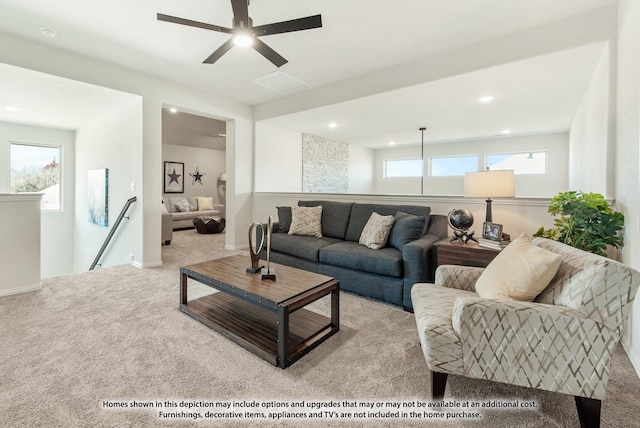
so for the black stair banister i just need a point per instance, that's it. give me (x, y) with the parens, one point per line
(113, 231)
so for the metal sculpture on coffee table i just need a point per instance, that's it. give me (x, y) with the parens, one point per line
(257, 230)
(253, 250)
(268, 272)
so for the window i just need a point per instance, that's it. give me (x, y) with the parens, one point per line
(452, 165)
(37, 169)
(403, 168)
(520, 163)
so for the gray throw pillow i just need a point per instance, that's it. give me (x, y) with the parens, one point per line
(406, 228)
(284, 219)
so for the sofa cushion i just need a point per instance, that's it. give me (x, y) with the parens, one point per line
(406, 228)
(360, 214)
(335, 216)
(185, 206)
(385, 261)
(204, 203)
(306, 221)
(519, 272)
(284, 219)
(305, 247)
(376, 232)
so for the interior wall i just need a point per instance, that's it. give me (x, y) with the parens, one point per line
(527, 185)
(627, 162)
(361, 161)
(113, 141)
(589, 135)
(209, 162)
(278, 159)
(57, 226)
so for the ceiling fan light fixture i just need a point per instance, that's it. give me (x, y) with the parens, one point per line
(242, 38)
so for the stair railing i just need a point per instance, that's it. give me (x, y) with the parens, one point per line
(113, 231)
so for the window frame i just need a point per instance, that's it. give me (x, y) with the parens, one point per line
(384, 168)
(546, 163)
(431, 158)
(60, 149)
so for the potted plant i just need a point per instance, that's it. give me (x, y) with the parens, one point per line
(586, 222)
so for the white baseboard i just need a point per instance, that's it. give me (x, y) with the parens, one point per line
(22, 289)
(146, 265)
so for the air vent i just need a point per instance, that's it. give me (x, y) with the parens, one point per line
(282, 83)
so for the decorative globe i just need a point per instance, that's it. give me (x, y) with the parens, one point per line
(460, 219)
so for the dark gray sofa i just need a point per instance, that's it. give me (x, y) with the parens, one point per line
(386, 274)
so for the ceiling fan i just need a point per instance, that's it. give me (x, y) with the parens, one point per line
(245, 34)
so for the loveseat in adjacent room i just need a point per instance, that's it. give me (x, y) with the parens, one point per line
(185, 209)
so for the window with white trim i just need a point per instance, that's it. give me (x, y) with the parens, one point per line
(403, 168)
(36, 168)
(520, 163)
(449, 166)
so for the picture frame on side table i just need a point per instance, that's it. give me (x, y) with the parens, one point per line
(492, 231)
(173, 177)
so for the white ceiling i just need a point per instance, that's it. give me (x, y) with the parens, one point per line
(35, 98)
(538, 95)
(357, 37)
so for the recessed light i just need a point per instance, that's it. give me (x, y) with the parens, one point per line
(506, 131)
(173, 110)
(392, 143)
(48, 32)
(486, 99)
(333, 125)
(11, 108)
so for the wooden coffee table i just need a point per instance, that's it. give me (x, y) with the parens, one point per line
(265, 317)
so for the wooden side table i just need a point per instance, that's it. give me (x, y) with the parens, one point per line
(469, 254)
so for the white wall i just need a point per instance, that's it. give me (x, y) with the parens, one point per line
(57, 226)
(209, 162)
(395, 185)
(527, 185)
(589, 136)
(278, 164)
(628, 153)
(360, 169)
(113, 141)
(20, 230)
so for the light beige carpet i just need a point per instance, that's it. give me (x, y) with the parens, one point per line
(116, 335)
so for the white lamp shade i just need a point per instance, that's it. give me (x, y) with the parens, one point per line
(489, 184)
(222, 176)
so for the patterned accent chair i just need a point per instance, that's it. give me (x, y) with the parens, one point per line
(563, 341)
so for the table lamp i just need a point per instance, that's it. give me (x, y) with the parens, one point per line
(489, 184)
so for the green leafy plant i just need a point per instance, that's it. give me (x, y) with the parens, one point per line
(586, 222)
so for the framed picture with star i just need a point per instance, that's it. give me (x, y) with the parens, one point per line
(173, 177)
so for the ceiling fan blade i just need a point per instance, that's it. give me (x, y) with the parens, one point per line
(269, 53)
(190, 23)
(240, 13)
(219, 52)
(288, 26)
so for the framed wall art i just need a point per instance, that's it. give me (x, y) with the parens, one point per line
(98, 196)
(173, 177)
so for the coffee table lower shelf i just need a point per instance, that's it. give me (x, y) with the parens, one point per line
(256, 329)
